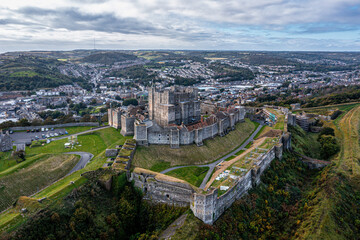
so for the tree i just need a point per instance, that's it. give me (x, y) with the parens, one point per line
(104, 118)
(131, 101)
(329, 146)
(93, 101)
(24, 122)
(86, 118)
(19, 155)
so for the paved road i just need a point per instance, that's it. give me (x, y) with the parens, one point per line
(80, 133)
(85, 157)
(213, 164)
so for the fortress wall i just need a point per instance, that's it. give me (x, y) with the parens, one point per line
(208, 207)
(140, 133)
(162, 190)
(203, 205)
(207, 132)
(225, 201)
(127, 125)
(159, 137)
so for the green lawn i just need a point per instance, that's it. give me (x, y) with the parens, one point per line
(193, 175)
(248, 145)
(229, 158)
(160, 157)
(73, 130)
(94, 142)
(6, 161)
(260, 132)
(239, 152)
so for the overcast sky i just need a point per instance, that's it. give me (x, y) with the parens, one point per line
(322, 25)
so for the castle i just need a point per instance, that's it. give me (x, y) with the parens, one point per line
(174, 118)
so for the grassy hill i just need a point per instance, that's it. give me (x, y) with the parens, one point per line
(26, 181)
(108, 58)
(30, 73)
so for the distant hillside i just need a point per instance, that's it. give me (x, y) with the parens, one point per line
(30, 73)
(108, 58)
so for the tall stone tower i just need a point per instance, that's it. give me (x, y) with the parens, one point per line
(174, 105)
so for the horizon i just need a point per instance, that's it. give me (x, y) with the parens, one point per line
(187, 50)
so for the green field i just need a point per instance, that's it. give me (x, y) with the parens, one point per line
(6, 161)
(97, 144)
(28, 180)
(193, 175)
(73, 130)
(94, 142)
(160, 157)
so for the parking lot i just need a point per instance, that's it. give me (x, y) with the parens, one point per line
(26, 137)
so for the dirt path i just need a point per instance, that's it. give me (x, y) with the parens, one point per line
(170, 231)
(227, 164)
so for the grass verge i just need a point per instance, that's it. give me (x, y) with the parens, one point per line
(193, 175)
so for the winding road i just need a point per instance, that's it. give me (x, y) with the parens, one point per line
(213, 164)
(85, 157)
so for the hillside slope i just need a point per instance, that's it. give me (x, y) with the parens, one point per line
(30, 73)
(334, 204)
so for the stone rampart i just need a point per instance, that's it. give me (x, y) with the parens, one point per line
(207, 206)
(158, 187)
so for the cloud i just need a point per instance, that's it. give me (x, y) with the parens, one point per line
(201, 24)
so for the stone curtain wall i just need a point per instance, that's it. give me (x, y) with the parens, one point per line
(206, 206)
(162, 190)
(82, 124)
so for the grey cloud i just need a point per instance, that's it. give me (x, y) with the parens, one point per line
(74, 20)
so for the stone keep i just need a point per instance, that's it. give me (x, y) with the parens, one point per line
(176, 105)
